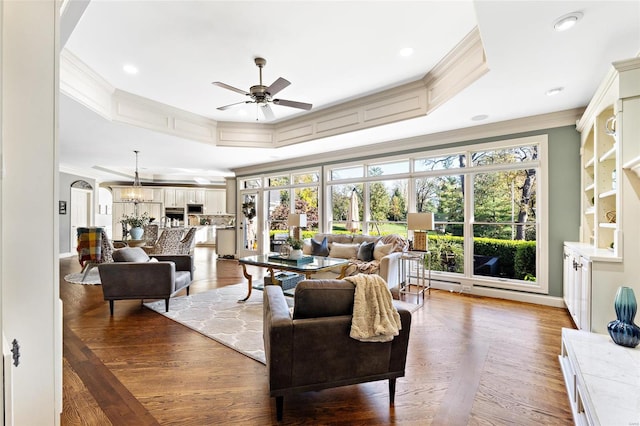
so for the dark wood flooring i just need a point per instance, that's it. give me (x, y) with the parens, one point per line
(472, 361)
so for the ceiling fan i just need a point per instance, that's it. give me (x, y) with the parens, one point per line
(263, 95)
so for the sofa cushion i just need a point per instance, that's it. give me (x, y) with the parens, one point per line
(344, 251)
(381, 250)
(130, 254)
(320, 249)
(334, 238)
(365, 251)
(360, 238)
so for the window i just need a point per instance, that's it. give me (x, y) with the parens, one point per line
(486, 204)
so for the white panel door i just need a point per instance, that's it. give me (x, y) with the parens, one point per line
(80, 207)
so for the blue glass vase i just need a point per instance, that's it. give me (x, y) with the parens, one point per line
(623, 331)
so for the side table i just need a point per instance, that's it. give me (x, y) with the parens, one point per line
(413, 278)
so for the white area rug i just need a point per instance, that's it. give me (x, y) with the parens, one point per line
(218, 315)
(93, 277)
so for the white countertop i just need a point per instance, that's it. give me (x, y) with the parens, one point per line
(611, 375)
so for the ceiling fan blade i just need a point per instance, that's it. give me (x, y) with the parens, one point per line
(222, 108)
(293, 104)
(226, 86)
(277, 86)
(268, 112)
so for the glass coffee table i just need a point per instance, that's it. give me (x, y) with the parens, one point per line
(273, 262)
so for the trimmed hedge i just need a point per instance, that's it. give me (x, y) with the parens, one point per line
(517, 259)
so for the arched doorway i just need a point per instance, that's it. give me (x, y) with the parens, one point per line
(80, 208)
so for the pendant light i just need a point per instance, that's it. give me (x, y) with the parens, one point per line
(135, 192)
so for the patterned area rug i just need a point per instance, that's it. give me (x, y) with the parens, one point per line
(93, 277)
(218, 315)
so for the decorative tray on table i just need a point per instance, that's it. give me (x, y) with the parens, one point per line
(300, 261)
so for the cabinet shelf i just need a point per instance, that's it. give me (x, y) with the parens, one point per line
(589, 187)
(633, 165)
(590, 163)
(609, 155)
(608, 225)
(590, 210)
(606, 194)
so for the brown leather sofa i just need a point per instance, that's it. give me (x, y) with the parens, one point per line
(312, 350)
(133, 275)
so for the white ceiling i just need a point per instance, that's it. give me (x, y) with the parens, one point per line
(331, 52)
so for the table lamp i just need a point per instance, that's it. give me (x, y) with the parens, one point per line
(297, 221)
(420, 223)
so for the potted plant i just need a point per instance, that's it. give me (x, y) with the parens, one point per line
(136, 223)
(296, 248)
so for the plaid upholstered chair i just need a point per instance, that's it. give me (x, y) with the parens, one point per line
(94, 248)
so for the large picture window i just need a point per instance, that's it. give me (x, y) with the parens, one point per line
(485, 201)
(488, 200)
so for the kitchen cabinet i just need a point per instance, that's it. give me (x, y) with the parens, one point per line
(195, 196)
(215, 201)
(175, 197)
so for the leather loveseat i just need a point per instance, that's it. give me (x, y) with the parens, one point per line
(312, 349)
(133, 275)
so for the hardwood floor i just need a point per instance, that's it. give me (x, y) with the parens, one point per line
(471, 361)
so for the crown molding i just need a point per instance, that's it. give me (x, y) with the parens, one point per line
(142, 112)
(467, 134)
(465, 64)
(461, 67)
(82, 84)
(611, 88)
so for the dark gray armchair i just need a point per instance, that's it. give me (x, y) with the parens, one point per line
(133, 276)
(313, 350)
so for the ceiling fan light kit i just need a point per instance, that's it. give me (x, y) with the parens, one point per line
(263, 95)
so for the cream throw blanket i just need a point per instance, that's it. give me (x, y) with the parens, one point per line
(375, 319)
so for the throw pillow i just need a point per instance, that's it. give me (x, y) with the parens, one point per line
(153, 259)
(344, 251)
(381, 250)
(319, 249)
(365, 252)
(307, 249)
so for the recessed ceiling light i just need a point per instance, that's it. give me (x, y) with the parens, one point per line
(567, 21)
(130, 69)
(479, 117)
(406, 51)
(554, 91)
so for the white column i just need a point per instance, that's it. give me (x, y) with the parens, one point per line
(31, 308)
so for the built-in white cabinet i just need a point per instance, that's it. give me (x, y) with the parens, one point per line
(601, 379)
(577, 288)
(607, 255)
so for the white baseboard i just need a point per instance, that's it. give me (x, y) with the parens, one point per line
(496, 293)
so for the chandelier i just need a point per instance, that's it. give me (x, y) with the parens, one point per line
(134, 194)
